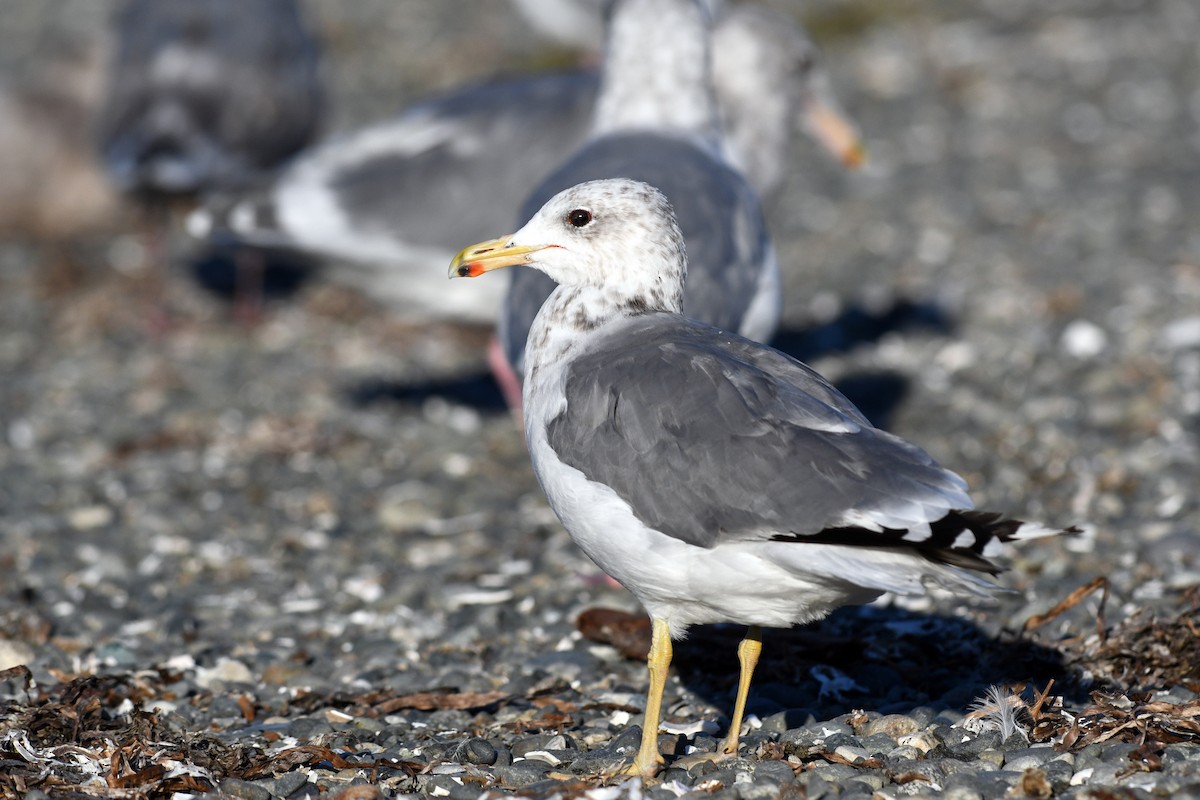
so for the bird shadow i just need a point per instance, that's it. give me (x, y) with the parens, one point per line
(878, 393)
(857, 325)
(884, 658)
(478, 391)
(283, 273)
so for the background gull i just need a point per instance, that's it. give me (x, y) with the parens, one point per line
(766, 74)
(205, 95)
(656, 121)
(717, 479)
(387, 199)
(571, 23)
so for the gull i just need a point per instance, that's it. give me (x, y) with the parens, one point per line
(717, 479)
(385, 201)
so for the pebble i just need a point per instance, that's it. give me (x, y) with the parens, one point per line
(244, 790)
(287, 783)
(475, 751)
(892, 725)
(522, 773)
(90, 517)
(14, 653)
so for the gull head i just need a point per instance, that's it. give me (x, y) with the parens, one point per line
(617, 234)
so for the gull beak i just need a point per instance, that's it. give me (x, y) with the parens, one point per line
(832, 129)
(473, 261)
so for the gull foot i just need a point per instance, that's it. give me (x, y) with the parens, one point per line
(644, 770)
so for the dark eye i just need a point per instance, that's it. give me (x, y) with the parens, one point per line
(579, 217)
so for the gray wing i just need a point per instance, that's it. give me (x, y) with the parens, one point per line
(718, 212)
(207, 93)
(713, 438)
(448, 170)
(502, 139)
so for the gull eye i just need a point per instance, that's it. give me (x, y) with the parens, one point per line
(579, 217)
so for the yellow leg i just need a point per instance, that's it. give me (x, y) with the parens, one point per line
(748, 652)
(659, 661)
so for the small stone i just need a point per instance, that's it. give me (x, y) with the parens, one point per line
(835, 773)
(447, 786)
(14, 654)
(305, 728)
(774, 772)
(542, 742)
(1028, 758)
(90, 517)
(757, 791)
(368, 724)
(903, 752)
(992, 756)
(916, 769)
(981, 784)
(961, 793)
(474, 751)
(617, 753)
(872, 780)
(287, 783)
(964, 746)
(1083, 339)
(783, 721)
(522, 773)
(852, 754)
(816, 787)
(226, 670)
(358, 791)
(244, 790)
(878, 744)
(921, 740)
(402, 508)
(893, 725)
(1181, 333)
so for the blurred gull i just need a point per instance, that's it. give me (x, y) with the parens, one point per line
(205, 94)
(392, 199)
(656, 121)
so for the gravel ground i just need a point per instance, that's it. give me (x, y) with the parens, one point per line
(310, 556)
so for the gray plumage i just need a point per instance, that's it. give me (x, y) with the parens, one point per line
(207, 93)
(672, 449)
(712, 438)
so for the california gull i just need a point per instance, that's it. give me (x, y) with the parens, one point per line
(386, 200)
(717, 479)
(656, 121)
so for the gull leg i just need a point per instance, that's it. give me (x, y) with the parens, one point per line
(156, 234)
(250, 277)
(748, 652)
(506, 379)
(659, 661)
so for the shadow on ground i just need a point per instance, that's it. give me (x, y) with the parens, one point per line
(883, 658)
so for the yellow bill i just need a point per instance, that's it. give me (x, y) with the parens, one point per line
(834, 131)
(476, 259)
